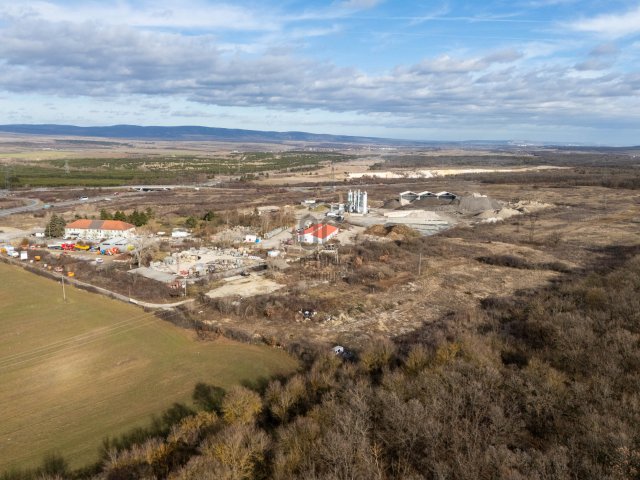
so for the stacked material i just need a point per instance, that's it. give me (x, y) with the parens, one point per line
(477, 203)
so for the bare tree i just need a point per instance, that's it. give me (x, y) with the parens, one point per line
(143, 245)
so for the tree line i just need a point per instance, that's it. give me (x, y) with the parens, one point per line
(137, 218)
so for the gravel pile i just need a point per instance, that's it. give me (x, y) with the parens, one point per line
(478, 203)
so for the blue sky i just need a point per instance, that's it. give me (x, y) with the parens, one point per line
(539, 70)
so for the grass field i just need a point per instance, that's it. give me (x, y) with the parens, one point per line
(72, 372)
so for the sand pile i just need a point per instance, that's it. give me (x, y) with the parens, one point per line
(530, 206)
(492, 216)
(477, 203)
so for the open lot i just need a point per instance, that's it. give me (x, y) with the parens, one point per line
(244, 287)
(73, 372)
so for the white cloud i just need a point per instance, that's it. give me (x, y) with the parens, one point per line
(610, 25)
(98, 61)
(159, 14)
(72, 55)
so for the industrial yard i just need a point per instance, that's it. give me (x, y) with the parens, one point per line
(265, 253)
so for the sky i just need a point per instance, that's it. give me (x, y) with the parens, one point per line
(522, 70)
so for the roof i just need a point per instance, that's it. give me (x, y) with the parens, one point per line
(320, 230)
(86, 224)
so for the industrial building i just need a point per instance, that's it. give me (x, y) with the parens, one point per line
(96, 230)
(408, 197)
(318, 233)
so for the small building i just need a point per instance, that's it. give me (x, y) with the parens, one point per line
(425, 194)
(99, 229)
(179, 234)
(318, 233)
(407, 197)
(251, 238)
(446, 196)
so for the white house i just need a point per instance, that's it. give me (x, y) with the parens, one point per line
(95, 230)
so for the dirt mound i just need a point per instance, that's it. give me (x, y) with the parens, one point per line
(394, 232)
(391, 204)
(490, 216)
(478, 203)
(404, 231)
(429, 202)
(377, 230)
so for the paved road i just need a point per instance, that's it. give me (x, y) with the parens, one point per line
(35, 204)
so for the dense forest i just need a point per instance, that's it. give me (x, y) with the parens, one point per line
(541, 385)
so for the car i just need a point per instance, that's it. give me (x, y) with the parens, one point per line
(83, 198)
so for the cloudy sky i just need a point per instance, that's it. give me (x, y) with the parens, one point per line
(541, 70)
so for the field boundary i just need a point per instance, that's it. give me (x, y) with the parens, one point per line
(94, 289)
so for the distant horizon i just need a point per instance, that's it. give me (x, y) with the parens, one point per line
(504, 141)
(546, 71)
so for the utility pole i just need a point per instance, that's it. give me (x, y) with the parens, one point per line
(420, 264)
(64, 294)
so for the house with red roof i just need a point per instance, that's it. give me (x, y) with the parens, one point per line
(95, 230)
(318, 233)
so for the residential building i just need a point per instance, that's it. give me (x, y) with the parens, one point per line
(96, 230)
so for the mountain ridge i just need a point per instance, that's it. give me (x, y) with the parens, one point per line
(192, 132)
